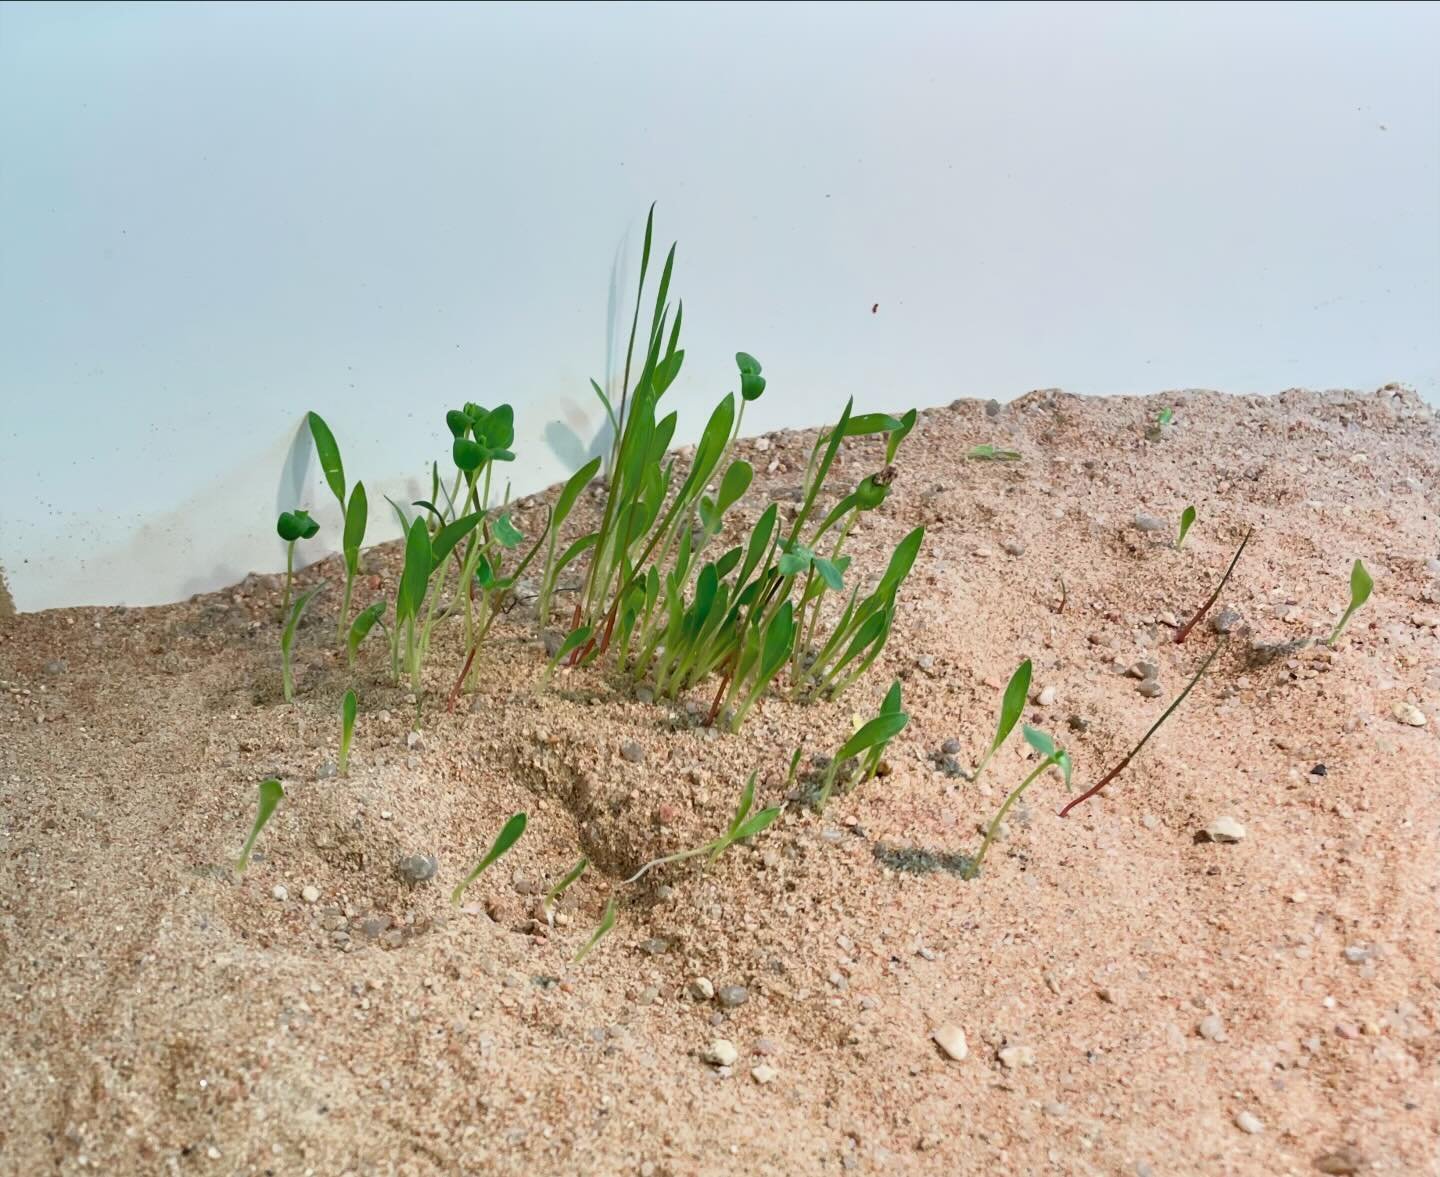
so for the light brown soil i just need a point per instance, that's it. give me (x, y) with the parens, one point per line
(163, 1015)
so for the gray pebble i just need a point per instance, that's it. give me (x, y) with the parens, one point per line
(418, 868)
(327, 770)
(950, 747)
(1211, 1028)
(1358, 954)
(1149, 688)
(644, 695)
(1144, 522)
(732, 996)
(1013, 547)
(655, 946)
(632, 752)
(992, 408)
(56, 666)
(1144, 671)
(1225, 621)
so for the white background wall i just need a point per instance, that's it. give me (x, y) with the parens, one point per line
(215, 217)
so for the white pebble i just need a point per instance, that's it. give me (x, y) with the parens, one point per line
(1225, 829)
(1046, 697)
(1247, 1122)
(951, 1040)
(702, 989)
(763, 1073)
(1017, 1056)
(721, 1053)
(1408, 713)
(280, 893)
(310, 894)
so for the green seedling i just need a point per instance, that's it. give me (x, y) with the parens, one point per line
(292, 527)
(1012, 706)
(1187, 521)
(354, 514)
(743, 825)
(1184, 631)
(287, 638)
(573, 641)
(1053, 757)
(552, 896)
(366, 620)
(869, 741)
(1361, 583)
(347, 730)
(794, 769)
(1155, 727)
(607, 922)
(988, 453)
(508, 836)
(1166, 416)
(270, 793)
(564, 503)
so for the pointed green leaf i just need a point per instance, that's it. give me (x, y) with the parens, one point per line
(507, 533)
(329, 454)
(271, 791)
(880, 730)
(607, 921)
(507, 837)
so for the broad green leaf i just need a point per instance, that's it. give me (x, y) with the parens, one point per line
(747, 363)
(988, 453)
(296, 525)
(571, 491)
(498, 428)
(726, 564)
(329, 453)
(871, 423)
(757, 823)
(1187, 520)
(416, 574)
(891, 703)
(735, 483)
(469, 455)
(1038, 740)
(271, 791)
(779, 637)
(507, 837)
(357, 515)
(362, 625)
(759, 541)
(1361, 585)
(901, 560)
(1012, 705)
(507, 533)
(450, 535)
(666, 371)
(795, 560)
(880, 730)
(829, 574)
(892, 443)
(457, 422)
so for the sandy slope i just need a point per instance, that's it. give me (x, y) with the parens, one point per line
(162, 1016)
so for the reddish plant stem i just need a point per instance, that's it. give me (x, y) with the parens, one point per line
(1184, 631)
(719, 696)
(460, 682)
(1129, 756)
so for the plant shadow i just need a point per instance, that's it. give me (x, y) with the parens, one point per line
(915, 860)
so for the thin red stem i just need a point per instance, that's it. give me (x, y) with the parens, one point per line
(1184, 631)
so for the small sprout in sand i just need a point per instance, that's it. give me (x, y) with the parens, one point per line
(1155, 727)
(607, 921)
(366, 620)
(869, 740)
(1166, 416)
(1360, 585)
(573, 641)
(347, 729)
(1011, 708)
(743, 825)
(552, 896)
(1053, 756)
(508, 836)
(1187, 521)
(270, 793)
(988, 453)
(293, 526)
(287, 638)
(794, 765)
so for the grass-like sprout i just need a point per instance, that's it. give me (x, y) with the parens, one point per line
(354, 514)
(1187, 521)
(366, 620)
(869, 741)
(1166, 416)
(509, 834)
(287, 638)
(270, 793)
(293, 526)
(1053, 757)
(1184, 631)
(1012, 706)
(1361, 584)
(573, 641)
(1129, 756)
(607, 922)
(561, 511)
(552, 896)
(989, 453)
(743, 825)
(347, 730)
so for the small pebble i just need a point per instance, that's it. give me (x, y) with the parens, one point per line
(632, 752)
(1408, 713)
(1013, 548)
(310, 894)
(1247, 1122)
(418, 868)
(655, 946)
(951, 1039)
(702, 989)
(280, 893)
(1149, 688)
(1341, 1162)
(415, 742)
(1225, 621)
(1318, 770)
(1212, 1028)
(732, 996)
(1145, 522)
(1224, 829)
(1014, 1057)
(1046, 697)
(1354, 954)
(56, 666)
(721, 1053)
(763, 1073)
(950, 747)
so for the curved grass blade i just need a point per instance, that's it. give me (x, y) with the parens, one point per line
(270, 793)
(1012, 705)
(287, 637)
(607, 922)
(507, 837)
(347, 730)
(329, 451)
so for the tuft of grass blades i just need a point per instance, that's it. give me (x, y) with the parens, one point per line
(743, 825)
(287, 638)
(1361, 584)
(1012, 706)
(347, 730)
(607, 922)
(1054, 757)
(1187, 521)
(293, 526)
(271, 791)
(1155, 727)
(507, 837)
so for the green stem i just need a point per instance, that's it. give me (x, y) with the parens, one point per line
(974, 868)
(289, 575)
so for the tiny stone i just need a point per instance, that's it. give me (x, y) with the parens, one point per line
(1145, 522)
(992, 408)
(310, 894)
(1013, 547)
(1212, 1028)
(763, 1073)
(1224, 829)
(702, 989)
(722, 1053)
(1144, 671)
(951, 1039)
(655, 947)
(1150, 822)
(1354, 954)
(732, 996)
(327, 770)
(1342, 1161)
(415, 742)
(1078, 723)
(56, 666)
(1408, 713)
(1149, 688)
(950, 747)
(632, 752)
(1046, 697)
(648, 996)
(1318, 770)
(1247, 1122)
(418, 868)
(280, 893)
(1225, 621)
(1014, 1057)
(925, 661)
